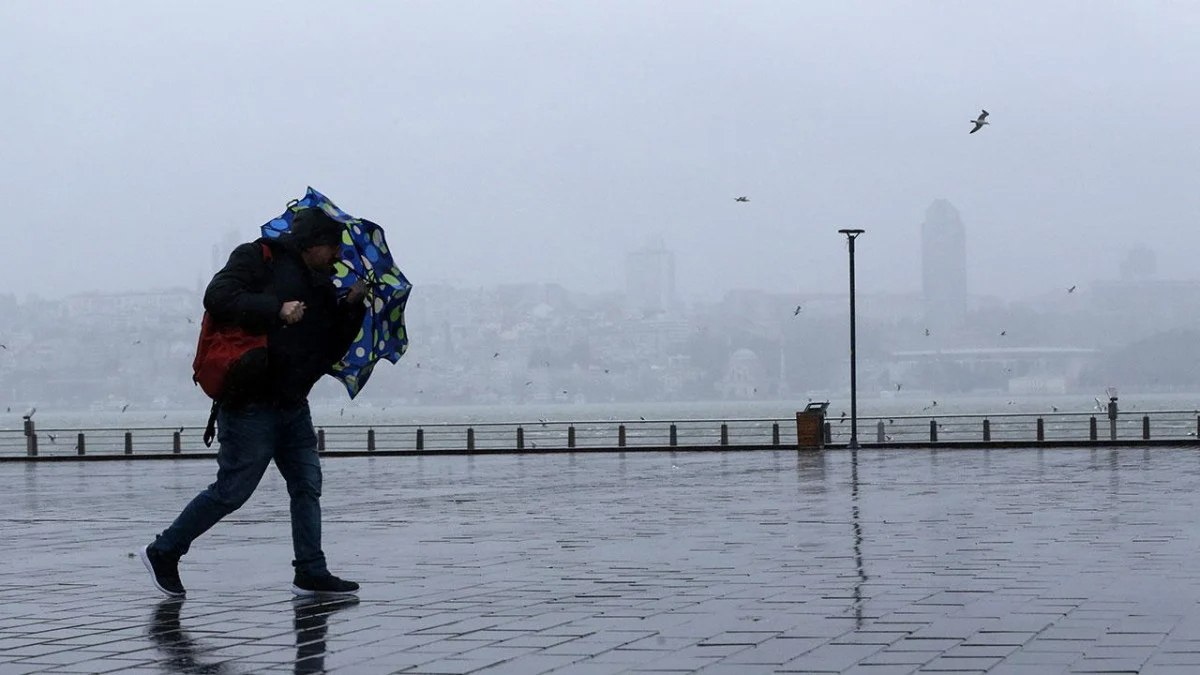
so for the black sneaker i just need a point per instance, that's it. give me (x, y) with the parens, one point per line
(164, 571)
(323, 585)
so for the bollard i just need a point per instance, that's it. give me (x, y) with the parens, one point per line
(987, 429)
(1041, 430)
(370, 440)
(1092, 433)
(933, 431)
(176, 443)
(828, 433)
(129, 442)
(775, 434)
(80, 443)
(320, 440)
(1145, 427)
(420, 439)
(570, 436)
(724, 434)
(675, 435)
(879, 435)
(470, 439)
(621, 436)
(520, 438)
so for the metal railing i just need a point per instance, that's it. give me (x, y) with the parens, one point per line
(593, 435)
(1011, 428)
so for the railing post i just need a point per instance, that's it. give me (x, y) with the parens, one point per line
(933, 431)
(724, 434)
(674, 441)
(1113, 411)
(370, 440)
(775, 434)
(320, 440)
(520, 438)
(880, 437)
(470, 439)
(621, 436)
(828, 433)
(1145, 427)
(1092, 433)
(571, 436)
(1041, 430)
(30, 437)
(80, 443)
(129, 442)
(987, 429)
(176, 443)
(420, 439)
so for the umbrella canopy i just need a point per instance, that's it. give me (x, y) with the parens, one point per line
(365, 256)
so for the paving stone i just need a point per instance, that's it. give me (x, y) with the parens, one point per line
(739, 562)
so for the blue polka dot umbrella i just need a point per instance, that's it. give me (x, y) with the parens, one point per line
(365, 256)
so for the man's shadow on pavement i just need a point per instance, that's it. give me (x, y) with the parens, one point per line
(311, 617)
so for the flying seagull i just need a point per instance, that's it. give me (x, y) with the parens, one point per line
(980, 122)
(1003, 333)
(744, 199)
(1071, 289)
(926, 332)
(797, 312)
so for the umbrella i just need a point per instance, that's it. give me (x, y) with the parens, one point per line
(366, 257)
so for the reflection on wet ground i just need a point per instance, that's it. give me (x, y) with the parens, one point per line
(1008, 561)
(185, 654)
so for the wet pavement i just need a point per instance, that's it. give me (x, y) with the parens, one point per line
(1001, 561)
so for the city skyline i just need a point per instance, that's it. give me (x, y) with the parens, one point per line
(1139, 257)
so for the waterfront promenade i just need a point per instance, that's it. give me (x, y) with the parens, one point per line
(880, 561)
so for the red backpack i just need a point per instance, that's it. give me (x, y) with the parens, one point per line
(219, 349)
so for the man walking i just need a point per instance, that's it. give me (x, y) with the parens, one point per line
(289, 296)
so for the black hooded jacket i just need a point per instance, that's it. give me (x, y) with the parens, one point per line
(250, 291)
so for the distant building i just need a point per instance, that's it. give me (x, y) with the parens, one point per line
(170, 306)
(650, 279)
(943, 267)
(743, 377)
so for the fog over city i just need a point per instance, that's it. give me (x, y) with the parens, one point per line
(559, 183)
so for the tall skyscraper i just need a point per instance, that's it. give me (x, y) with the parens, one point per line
(943, 267)
(650, 278)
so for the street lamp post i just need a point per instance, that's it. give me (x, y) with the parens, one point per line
(851, 235)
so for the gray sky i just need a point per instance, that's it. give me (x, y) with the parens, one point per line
(521, 141)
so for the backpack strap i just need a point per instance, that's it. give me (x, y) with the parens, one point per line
(210, 430)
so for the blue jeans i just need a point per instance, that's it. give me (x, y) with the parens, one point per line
(249, 439)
